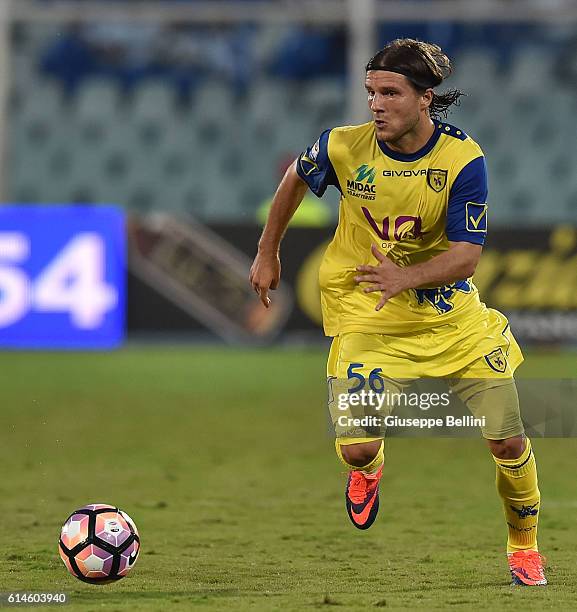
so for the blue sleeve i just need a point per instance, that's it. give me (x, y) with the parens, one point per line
(315, 167)
(467, 209)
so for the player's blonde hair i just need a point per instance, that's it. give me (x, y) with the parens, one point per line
(424, 64)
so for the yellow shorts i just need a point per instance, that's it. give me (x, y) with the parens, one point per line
(478, 364)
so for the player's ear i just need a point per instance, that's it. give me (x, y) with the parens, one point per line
(426, 99)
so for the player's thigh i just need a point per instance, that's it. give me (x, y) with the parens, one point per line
(490, 393)
(359, 396)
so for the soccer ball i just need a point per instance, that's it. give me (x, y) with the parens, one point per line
(99, 543)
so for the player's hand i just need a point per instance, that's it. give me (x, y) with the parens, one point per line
(265, 275)
(389, 278)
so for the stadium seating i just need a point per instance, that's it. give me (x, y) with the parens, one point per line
(217, 154)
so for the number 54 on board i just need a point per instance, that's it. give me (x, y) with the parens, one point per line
(62, 276)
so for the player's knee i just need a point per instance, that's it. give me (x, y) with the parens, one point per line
(360, 454)
(509, 448)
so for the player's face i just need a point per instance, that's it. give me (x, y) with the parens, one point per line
(396, 105)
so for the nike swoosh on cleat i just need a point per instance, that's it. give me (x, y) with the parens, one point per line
(361, 517)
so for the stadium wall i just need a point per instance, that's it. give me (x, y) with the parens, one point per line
(530, 275)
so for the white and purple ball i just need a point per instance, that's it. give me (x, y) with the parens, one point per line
(99, 544)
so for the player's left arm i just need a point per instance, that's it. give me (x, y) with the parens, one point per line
(466, 229)
(458, 262)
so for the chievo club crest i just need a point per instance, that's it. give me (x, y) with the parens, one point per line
(436, 179)
(496, 361)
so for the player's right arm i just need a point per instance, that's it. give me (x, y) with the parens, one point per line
(265, 270)
(312, 170)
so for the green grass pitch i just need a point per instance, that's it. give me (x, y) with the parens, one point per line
(224, 460)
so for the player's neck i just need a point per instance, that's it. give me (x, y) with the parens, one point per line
(416, 139)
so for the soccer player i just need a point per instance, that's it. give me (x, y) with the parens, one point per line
(396, 289)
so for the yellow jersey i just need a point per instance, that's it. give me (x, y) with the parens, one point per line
(410, 206)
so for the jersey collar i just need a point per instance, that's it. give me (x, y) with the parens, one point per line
(409, 157)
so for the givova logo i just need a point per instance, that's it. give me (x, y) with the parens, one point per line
(362, 185)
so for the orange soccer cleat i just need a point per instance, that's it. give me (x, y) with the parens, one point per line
(527, 568)
(362, 497)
